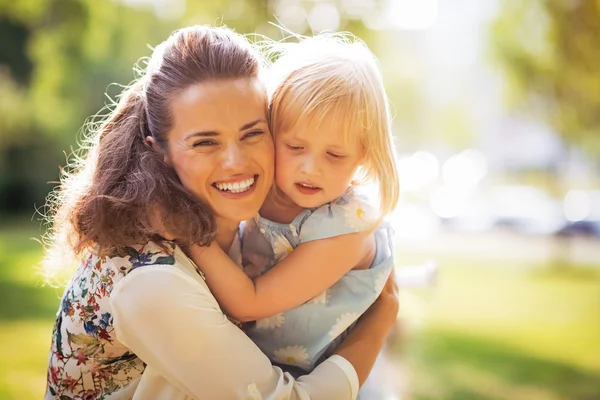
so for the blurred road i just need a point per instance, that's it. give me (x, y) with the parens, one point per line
(507, 245)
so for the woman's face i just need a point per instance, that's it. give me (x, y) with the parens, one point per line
(220, 146)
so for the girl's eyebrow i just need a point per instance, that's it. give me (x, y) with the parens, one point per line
(301, 139)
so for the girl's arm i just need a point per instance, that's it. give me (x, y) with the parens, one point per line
(306, 272)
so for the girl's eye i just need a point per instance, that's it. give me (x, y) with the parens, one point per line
(253, 134)
(204, 143)
(334, 155)
(292, 147)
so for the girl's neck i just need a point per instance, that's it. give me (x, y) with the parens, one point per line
(281, 210)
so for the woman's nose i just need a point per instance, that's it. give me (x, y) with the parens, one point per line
(234, 157)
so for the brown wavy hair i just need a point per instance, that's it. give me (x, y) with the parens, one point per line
(115, 194)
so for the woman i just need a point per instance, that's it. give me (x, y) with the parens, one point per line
(187, 150)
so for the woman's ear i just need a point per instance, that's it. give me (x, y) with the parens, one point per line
(156, 148)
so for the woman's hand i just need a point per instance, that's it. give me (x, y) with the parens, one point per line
(389, 295)
(388, 300)
(364, 342)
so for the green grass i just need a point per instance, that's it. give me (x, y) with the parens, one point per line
(513, 332)
(457, 365)
(487, 331)
(27, 309)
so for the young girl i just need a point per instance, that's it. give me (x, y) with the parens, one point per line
(319, 253)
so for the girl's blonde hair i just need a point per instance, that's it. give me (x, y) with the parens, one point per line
(335, 75)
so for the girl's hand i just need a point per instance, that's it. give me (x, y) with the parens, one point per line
(204, 256)
(159, 227)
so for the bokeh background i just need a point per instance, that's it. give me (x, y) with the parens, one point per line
(497, 120)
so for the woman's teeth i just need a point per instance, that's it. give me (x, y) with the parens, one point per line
(236, 187)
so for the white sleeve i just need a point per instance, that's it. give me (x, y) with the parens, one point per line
(174, 324)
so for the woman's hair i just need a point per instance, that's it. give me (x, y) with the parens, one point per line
(335, 76)
(121, 189)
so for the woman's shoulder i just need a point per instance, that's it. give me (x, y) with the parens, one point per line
(120, 263)
(152, 268)
(130, 258)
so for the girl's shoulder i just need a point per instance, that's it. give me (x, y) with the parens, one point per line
(349, 213)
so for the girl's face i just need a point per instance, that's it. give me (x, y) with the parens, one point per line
(221, 148)
(314, 165)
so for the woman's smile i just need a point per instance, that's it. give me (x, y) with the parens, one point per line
(237, 187)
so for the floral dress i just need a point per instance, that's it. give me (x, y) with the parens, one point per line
(300, 338)
(86, 360)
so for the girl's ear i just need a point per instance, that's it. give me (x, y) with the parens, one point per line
(152, 142)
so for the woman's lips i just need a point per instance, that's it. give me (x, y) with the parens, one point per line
(238, 187)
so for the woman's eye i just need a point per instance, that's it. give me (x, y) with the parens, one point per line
(253, 134)
(203, 143)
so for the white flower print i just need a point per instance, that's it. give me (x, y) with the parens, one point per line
(281, 248)
(322, 298)
(342, 323)
(272, 322)
(292, 355)
(359, 215)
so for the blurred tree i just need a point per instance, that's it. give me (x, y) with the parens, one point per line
(58, 57)
(549, 51)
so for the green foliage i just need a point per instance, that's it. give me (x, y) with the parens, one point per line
(58, 58)
(549, 51)
(68, 52)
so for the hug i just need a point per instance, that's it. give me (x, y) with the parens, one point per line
(225, 244)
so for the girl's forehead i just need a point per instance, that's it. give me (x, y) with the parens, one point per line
(328, 132)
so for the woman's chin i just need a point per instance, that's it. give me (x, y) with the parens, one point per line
(238, 207)
(236, 212)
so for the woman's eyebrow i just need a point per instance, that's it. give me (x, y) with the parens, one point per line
(214, 133)
(204, 134)
(251, 124)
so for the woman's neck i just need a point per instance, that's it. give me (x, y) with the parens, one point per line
(281, 210)
(226, 231)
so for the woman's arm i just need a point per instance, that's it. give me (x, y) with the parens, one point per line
(306, 272)
(173, 324)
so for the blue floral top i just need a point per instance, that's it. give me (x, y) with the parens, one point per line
(301, 338)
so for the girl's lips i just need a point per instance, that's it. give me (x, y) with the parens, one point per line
(307, 190)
